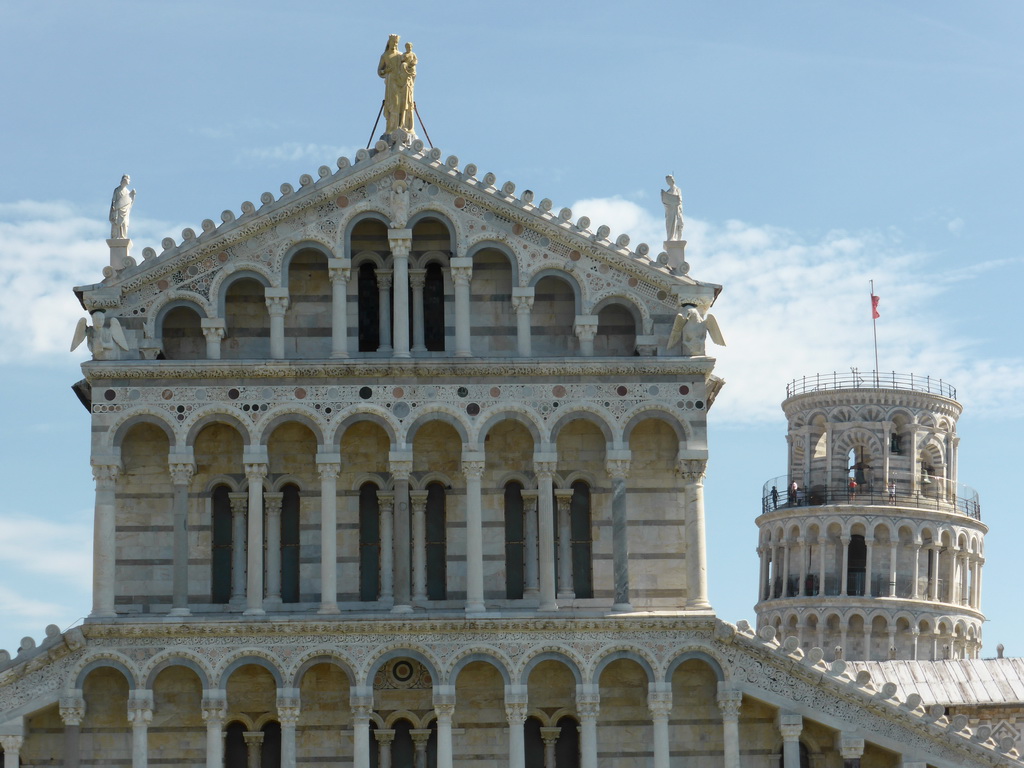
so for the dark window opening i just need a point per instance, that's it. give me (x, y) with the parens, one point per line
(579, 526)
(290, 544)
(856, 565)
(436, 525)
(514, 541)
(369, 543)
(433, 309)
(221, 554)
(369, 308)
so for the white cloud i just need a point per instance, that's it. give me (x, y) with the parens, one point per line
(956, 226)
(292, 151)
(54, 549)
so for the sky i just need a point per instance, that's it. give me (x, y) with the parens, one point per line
(818, 146)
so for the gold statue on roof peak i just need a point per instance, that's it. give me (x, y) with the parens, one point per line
(398, 71)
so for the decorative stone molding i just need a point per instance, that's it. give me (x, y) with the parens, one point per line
(691, 470)
(72, 709)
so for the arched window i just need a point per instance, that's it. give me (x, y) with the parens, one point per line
(856, 565)
(220, 555)
(567, 748)
(579, 524)
(403, 753)
(514, 541)
(433, 308)
(436, 524)
(290, 544)
(182, 335)
(369, 308)
(369, 543)
(270, 751)
(235, 752)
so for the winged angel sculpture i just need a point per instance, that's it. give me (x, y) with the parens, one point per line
(693, 330)
(101, 336)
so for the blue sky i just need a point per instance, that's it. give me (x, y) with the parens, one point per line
(818, 146)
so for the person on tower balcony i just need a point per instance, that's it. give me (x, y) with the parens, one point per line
(853, 489)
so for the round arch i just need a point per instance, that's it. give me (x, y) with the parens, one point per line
(402, 652)
(560, 274)
(216, 415)
(503, 248)
(520, 415)
(702, 656)
(598, 419)
(249, 656)
(559, 656)
(615, 654)
(321, 656)
(306, 244)
(488, 656)
(120, 429)
(177, 659)
(107, 660)
(287, 414)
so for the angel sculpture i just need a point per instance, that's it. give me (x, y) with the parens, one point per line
(693, 330)
(101, 336)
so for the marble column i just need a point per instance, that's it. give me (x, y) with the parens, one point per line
(288, 716)
(12, 744)
(105, 474)
(763, 578)
(239, 508)
(277, 304)
(253, 748)
(802, 546)
(588, 705)
(473, 470)
(420, 739)
(400, 242)
(462, 272)
(790, 726)
(549, 736)
(255, 472)
(417, 279)
(361, 701)
(385, 738)
(340, 270)
(328, 464)
(401, 467)
(215, 709)
(522, 301)
(140, 715)
(868, 554)
(844, 573)
(544, 466)
(272, 505)
(585, 329)
(444, 708)
(182, 468)
(386, 505)
(516, 702)
(531, 585)
(563, 498)
(692, 473)
(384, 309)
(933, 590)
(617, 466)
(893, 554)
(72, 712)
(915, 587)
(659, 703)
(851, 747)
(822, 551)
(213, 329)
(729, 702)
(418, 502)
(786, 552)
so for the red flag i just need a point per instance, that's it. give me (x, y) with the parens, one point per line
(874, 307)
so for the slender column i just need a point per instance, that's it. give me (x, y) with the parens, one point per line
(617, 465)
(869, 548)
(239, 507)
(844, 572)
(786, 550)
(915, 588)
(563, 497)
(277, 303)
(386, 504)
(328, 464)
(181, 469)
(893, 554)
(522, 300)
(420, 738)
(385, 738)
(72, 712)
(933, 591)
(659, 702)
(253, 748)
(255, 471)
(965, 569)
(867, 641)
(418, 502)
(692, 472)
(790, 726)
(272, 504)
(339, 270)
(288, 717)
(549, 735)
(531, 586)
(214, 329)
(361, 701)
(585, 329)
(951, 579)
(802, 544)
(515, 711)
(401, 467)
(544, 465)
(822, 542)
(215, 709)
(762, 580)
(729, 702)
(384, 309)
(140, 714)
(105, 474)
(12, 744)
(444, 708)
(588, 705)
(473, 469)
(851, 747)
(462, 272)
(400, 241)
(417, 279)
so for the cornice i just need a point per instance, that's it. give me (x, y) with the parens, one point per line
(832, 398)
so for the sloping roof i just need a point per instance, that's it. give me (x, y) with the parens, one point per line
(953, 682)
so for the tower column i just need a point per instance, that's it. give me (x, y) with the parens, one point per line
(617, 466)
(361, 701)
(585, 329)
(417, 279)
(277, 304)
(531, 586)
(140, 715)
(400, 242)
(515, 711)
(915, 587)
(239, 507)
(729, 702)
(340, 270)
(563, 498)
(762, 592)
(213, 329)
(868, 549)
(801, 543)
(215, 709)
(462, 273)
(473, 469)
(786, 549)
(272, 505)
(444, 708)
(182, 467)
(385, 738)
(328, 464)
(692, 473)
(386, 507)
(288, 704)
(659, 703)
(384, 309)
(790, 726)
(893, 554)
(12, 744)
(844, 573)
(418, 502)
(72, 711)
(522, 300)
(104, 472)
(401, 467)
(543, 466)
(588, 704)
(255, 471)
(822, 545)
(851, 747)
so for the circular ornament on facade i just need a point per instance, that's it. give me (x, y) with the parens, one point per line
(300, 393)
(574, 255)
(495, 392)
(398, 392)
(689, 404)
(603, 269)
(193, 270)
(365, 392)
(462, 392)
(653, 389)
(433, 191)
(633, 282)
(267, 393)
(684, 390)
(460, 202)
(163, 285)
(517, 228)
(134, 395)
(200, 394)
(622, 391)
(558, 390)
(402, 673)
(167, 394)
(662, 295)
(110, 394)
(341, 201)
(180, 409)
(223, 256)
(401, 410)
(232, 394)
(699, 404)
(401, 175)
(473, 409)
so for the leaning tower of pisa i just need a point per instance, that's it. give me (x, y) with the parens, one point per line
(870, 546)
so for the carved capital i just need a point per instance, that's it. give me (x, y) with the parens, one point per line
(851, 747)
(255, 473)
(339, 271)
(140, 711)
(12, 743)
(544, 468)
(420, 737)
(384, 736)
(444, 711)
(214, 332)
(400, 246)
(400, 468)
(691, 470)
(272, 503)
(239, 502)
(529, 500)
(729, 702)
(384, 277)
(618, 469)
(515, 712)
(253, 738)
(659, 703)
(462, 275)
(472, 469)
(418, 500)
(563, 497)
(522, 303)
(276, 305)
(181, 472)
(328, 471)
(386, 501)
(214, 710)
(588, 706)
(105, 475)
(72, 710)
(288, 712)
(417, 278)
(790, 726)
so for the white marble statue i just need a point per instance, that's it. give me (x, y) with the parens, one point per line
(399, 73)
(399, 204)
(672, 199)
(101, 336)
(120, 208)
(693, 330)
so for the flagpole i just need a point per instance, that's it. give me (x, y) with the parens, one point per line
(874, 328)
